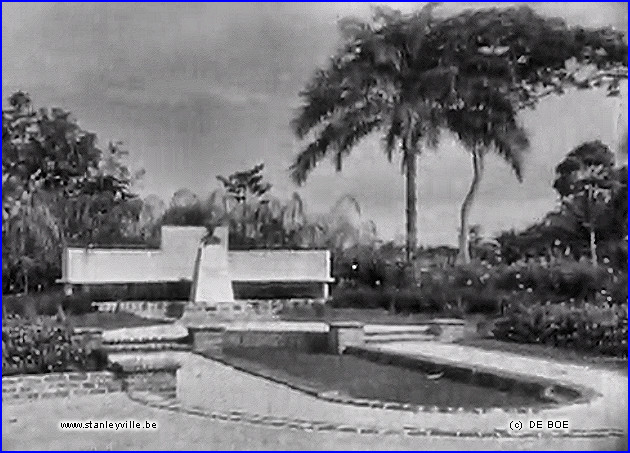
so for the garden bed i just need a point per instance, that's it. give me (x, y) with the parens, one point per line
(357, 378)
(110, 321)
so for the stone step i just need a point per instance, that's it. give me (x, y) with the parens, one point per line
(158, 333)
(375, 329)
(398, 337)
(146, 347)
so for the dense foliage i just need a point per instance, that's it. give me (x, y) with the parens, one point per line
(586, 326)
(58, 187)
(476, 287)
(44, 346)
(409, 76)
(592, 215)
(48, 303)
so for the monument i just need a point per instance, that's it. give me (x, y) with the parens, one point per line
(212, 282)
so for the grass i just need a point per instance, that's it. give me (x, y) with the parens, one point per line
(550, 353)
(471, 335)
(109, 321)
(364, 315)
(360, 378)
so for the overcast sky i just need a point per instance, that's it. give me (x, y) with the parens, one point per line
(195, 90)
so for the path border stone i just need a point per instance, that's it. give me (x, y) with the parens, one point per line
(239, 416)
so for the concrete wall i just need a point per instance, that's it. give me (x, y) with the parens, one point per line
(175, 261)
(279, 265)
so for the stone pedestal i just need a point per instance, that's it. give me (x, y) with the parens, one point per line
(448, 330)
(207, 338)
(211, 281)
(88, 338)
(157, 378)
(344, 334)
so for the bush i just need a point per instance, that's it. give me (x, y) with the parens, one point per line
(44, 346)
(580, 326)
(33, 305)
(563, 279)
(175, 309)
(77, 304)
(405, 300)
(359, 298)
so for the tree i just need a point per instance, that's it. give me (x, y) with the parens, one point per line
(403, 74)
(247, 188)
(376, 82)
(508, 59)
(586, 181)
(586, 220)
(58, 188)
(491, 126)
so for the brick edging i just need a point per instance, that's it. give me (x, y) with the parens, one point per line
(237, 416)
(376, 404)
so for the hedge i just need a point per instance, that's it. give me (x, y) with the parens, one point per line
(46, 304)
(581, 326)
(44, 346)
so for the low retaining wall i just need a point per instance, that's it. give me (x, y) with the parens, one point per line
(215, 334)
(217, 338)
(88, 338)
(549, 391)
(299, 341)
(160, 379)
(55, 385)
(260, 308)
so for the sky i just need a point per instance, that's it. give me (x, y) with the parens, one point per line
(196, 90)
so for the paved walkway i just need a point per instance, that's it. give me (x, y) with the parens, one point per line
(207, 384)
(206, 387)
(609, 410)
(35, 426)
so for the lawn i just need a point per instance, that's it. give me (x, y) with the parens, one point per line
(109, 321)
(364, 315)
(551, 353)
(471, 335)
(361, 378)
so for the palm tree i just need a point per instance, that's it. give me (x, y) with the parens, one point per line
(486, 121)
(375, 83)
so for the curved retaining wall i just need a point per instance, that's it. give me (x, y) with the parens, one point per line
(160, 379)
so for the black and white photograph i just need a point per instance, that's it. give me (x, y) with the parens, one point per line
(298, 226)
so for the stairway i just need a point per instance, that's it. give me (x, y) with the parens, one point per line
(375, 335)
(166, 337)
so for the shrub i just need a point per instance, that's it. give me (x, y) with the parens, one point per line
(405, 300)
(618, 289)
(564, 279)
(44, 346)
(33, 305)
(480, 288)
(175, 310)
(581, 326)
(359, 298)
(77, 304)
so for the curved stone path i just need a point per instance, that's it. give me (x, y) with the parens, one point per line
(220, 408)
(34, 426)
(208, 387)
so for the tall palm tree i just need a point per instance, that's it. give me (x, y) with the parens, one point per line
(375, 83)
(485, 122)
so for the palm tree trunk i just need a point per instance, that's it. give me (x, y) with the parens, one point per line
(411, 208)
(593, 247)
(591, 225)
(463, 256)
